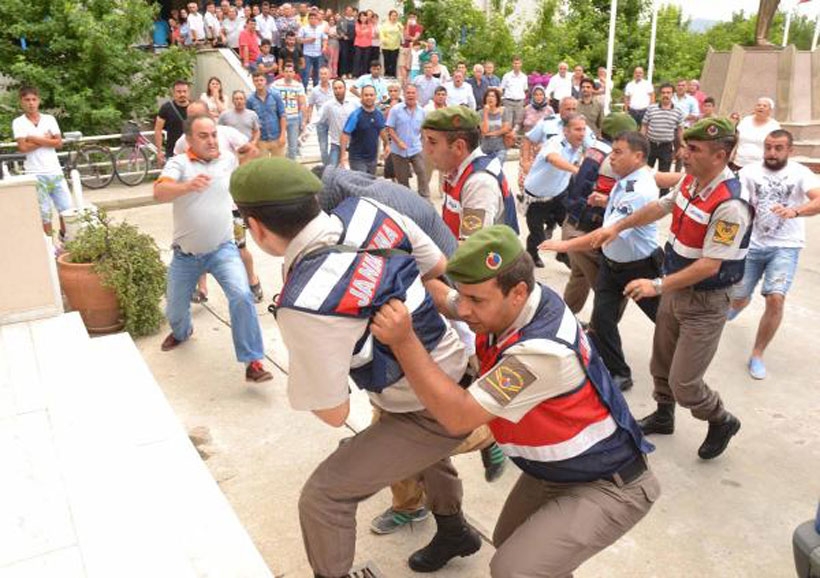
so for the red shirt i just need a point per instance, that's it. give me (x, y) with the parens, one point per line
(412, 32)
(251, 40)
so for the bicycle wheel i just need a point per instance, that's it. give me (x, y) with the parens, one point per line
(132, 165)
(95, 165)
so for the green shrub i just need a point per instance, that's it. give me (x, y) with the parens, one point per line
(128, 262)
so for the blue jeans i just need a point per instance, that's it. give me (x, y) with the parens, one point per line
(294, 124)
(226, 266)
(321, 134)
(311, 69)
(335, 155)
(776, 265)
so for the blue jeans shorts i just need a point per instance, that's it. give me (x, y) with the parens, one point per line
(776, 265)
(52, 189)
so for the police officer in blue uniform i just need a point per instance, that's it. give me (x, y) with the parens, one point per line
(338, 269)
(549, 401)
(634, 254)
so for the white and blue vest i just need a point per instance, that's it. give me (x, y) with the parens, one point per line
(370, 265)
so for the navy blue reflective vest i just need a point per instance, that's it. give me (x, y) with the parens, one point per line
(552, 440)
(370, 265)
(588, 179)
(690, 224)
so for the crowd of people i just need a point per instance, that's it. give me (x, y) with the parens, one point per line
(438, 315)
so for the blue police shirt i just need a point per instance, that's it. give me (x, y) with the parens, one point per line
(407, 125)
(377, 83)
(363, 128)
(269, 112)
(629, 195)
(545, 180)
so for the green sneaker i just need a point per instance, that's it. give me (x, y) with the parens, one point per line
(391, 520)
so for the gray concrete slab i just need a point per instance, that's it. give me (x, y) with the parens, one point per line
(730, 517)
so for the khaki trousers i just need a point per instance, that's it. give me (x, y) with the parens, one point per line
(547, 529)
(408, 494)
(687, 332)
(270, 148)
(584, 271)
(393, 448)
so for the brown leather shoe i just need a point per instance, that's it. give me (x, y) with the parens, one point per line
(171, 342)
(257, 373)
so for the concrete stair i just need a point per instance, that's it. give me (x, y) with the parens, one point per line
(100, 479)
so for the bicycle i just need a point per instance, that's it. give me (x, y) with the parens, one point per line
(136, 157)
(93, 162)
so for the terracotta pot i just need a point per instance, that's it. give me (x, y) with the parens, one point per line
(97, 305)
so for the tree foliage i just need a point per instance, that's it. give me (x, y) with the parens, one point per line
(81, 54)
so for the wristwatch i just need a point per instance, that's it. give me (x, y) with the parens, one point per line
(657, 283)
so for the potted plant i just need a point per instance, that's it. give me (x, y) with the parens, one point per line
(113, 275)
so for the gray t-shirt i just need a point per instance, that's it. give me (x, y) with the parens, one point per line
(245, 122)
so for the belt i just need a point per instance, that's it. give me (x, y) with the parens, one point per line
(630, 472)
(513, 99)
(659, 143)
(537, 199)
(616, 266)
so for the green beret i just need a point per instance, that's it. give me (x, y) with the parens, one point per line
(484, 255)
(272, 181)
(617, 122)
(712, 128)
(452, 118)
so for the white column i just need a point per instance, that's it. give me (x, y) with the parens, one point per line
(816, 32)
(786, 29)
(610, 55)
(651, 68)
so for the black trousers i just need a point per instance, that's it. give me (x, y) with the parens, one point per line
(542, 219)
(391, 57)
(361, 60)
(637, 115)
(610, 302)
(662, 153)
(345, 57)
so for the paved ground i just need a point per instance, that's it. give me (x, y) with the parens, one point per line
(732, 517)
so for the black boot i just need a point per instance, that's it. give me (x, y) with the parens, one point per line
(662, 421)
(624, 383)
(453, 538)
(718, 436)
(536, 259)
(494, 461)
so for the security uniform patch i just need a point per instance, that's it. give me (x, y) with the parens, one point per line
(506, 380)
(472, 221)
(725, 232)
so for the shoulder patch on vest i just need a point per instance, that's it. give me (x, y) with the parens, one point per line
(725, 232)
(472, 221)
(506, 380)
(595, 155)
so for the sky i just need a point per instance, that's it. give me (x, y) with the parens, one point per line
(722, 9)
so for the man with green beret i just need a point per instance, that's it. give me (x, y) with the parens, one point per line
(549, 401)
(705, 255)
(635, 254)
(476, 193)
(338, 269)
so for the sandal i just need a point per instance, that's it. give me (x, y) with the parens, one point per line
(199, 296)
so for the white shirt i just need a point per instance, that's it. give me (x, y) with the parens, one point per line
(460, 95)
(266, 27)
(229, 140)
(196, 23)
(232, 29)
(750, 140)
(787, 187)
(334, 114)
(514, 85)
(559, 87)
(639, 93)
(212, 23)
(42, 160)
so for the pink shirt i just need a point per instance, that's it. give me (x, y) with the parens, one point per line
(364, 35)
(251, 40)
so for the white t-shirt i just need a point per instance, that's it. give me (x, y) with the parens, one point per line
(750, 140)
(639, 93)
(229, 140)
(197, 25)
(42, 160)
(266, 27)
(514, 85)
(766, 188)
(415, 58)
(462, 95)
(558, 87)
(212, 23)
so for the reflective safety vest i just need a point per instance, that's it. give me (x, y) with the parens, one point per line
(451, 210)
(370, 265)
(691, 217)
(594, 175)
(580, 436)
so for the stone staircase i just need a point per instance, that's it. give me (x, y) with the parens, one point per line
(806, 142)
(99, 477)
